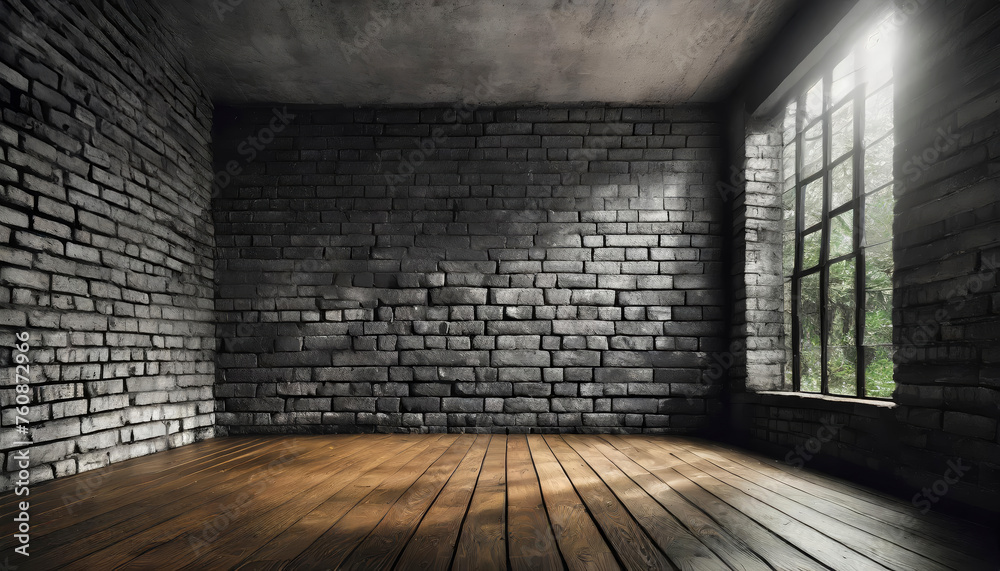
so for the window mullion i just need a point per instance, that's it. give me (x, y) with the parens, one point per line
(859, 229)
(824, 253)
(797, 263)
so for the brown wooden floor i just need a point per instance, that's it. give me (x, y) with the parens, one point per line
(478, 502)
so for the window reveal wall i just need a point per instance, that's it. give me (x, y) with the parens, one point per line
(456, 269)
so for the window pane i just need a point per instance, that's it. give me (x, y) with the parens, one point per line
(842, 125)
(843, 79)
(810, 249)
(812, 203)
(810, 352)
(878, 317)
(788, 165)
(842, 368)
(812, 149)
(878, 372)
(814, 102)
(787, 333)
(788, 254)
(841, 336)
(878, 164)
(878, 295)
(842, 182)
(788, 210)
(878, 114)
(842, 234)
(840, 303)
(878, 267)
(879, 51)
(878, 217)
(789, 127)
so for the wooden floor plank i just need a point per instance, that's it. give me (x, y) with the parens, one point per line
(116, 515)
(331, 548)
(297, 538)
(845, 510)
(482, 544)
(384, 544)
(221, 533)
(130, 531)
(577, 536)
(735, 552)
(771, 546)
(64, 496)
(686, 551)
(926, 529)
(847, 533)
(802, 536)
(440, 501)
(157, 463)
(433, 544)
(529, 534)
(634, 548)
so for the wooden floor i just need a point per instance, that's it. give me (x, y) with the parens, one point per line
(478, 502)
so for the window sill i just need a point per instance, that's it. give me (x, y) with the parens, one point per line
(825, 402)
(829, 398)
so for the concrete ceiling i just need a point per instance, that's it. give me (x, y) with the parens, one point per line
(483, 51)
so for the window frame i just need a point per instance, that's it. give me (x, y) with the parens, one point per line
(857, 97)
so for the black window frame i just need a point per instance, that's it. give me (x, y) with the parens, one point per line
(823, 73)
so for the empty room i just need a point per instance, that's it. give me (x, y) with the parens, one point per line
(476, 285)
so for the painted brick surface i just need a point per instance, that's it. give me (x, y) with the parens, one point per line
(105, 236)
(547, 269)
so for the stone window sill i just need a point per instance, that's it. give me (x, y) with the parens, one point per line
(801, 400)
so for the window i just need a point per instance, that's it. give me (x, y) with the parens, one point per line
(837, 236)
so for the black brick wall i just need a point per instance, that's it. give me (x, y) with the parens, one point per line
(105, 237)
(553, 269)
(947, 324)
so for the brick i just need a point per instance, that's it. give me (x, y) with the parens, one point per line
(526, 404)
(458, 296)
(603, 419)
(516, 296)
(457, 404)
(354, 404)
(572, 405)
(593, 297)
(444, 358)
(520, 358)
(583, 327)
(576, 358)
(970, 425)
